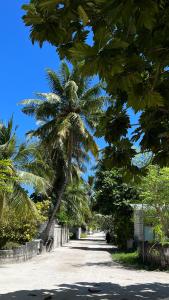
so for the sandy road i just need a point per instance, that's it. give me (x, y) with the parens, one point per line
(83, 270)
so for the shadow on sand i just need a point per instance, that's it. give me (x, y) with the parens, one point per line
(95, 245)
(103, 290)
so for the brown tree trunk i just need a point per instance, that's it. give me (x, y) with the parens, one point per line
(57, 193)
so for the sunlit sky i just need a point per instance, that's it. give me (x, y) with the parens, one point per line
(23, 65)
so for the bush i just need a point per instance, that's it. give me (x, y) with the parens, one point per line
(43, 210)
(17, 229)
(83, 236)
(10, 246)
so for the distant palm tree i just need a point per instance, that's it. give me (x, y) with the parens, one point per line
(75, 204)
(19, 165)
(67, 117)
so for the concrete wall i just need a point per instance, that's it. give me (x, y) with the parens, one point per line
(60, 235)
(138, 225)
(20, 254)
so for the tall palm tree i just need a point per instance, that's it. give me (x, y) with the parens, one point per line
(19, 165)
(67, 117)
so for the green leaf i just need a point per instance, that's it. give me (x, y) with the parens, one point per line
(117, 43)
(82, 14)
(79, 51)
(49, 4)
(153, 98)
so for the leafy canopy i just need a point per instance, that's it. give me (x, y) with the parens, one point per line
(112, 193)
(113, 197)
(130, 53)
(130, 42)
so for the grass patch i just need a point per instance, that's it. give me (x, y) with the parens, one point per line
(132, 259)
(83, 236)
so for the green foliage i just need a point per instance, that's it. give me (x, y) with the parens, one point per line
(20, 165)
(155, 196)
(67, 120)
(102, 222)
(160, 234)
(6, 172)
(75, 210)
(64, 116)
(131, 258)
(112, 192)
(10, 246)
(152, 133)
(83, 236)
(129, 49)
(123, 227)
(113, 197)
(43, 210)
(129, 52)
(16, 229)
(114, 123)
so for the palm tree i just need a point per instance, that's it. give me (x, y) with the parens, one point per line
(75, 203)
(67, 117)
(19, 165)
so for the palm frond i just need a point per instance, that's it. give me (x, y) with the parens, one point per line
(50, 97)
(36, 181)
(54, 82)
(22, 204)
(94, 91)
(8, 149)
(64, 72)
(90, 144)
(23, 154)
(43, 130)
(31, 102)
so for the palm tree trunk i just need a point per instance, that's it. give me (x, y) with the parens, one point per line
(60, 191)
(57, 193)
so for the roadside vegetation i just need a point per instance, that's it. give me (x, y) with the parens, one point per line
(129, 54)
(134, 261)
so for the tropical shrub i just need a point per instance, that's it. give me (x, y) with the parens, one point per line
(6, 173)
(155, 199)
(10, 245)
(113, 197)
(43, 208)
(16, 228)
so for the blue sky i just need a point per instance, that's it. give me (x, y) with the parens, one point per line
(23, 66)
